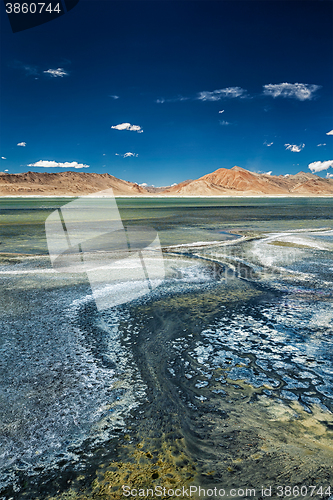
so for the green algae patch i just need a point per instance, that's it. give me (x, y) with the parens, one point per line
(205, 303)
(288, 244)
(145, 468)
(148, 470)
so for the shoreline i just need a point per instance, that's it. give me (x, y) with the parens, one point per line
(30, 196)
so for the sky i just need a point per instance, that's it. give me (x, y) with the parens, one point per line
(162, 91)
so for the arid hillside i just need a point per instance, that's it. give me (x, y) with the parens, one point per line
(240, 182)
(64, 183)
(228, 182)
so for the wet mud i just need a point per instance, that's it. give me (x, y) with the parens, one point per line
(201, 428)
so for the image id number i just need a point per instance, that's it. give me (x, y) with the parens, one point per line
(303, 491)
(32, 8)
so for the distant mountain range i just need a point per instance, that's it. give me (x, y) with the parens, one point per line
(240, 182)
(228, 182)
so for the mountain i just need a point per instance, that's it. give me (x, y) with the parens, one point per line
(65, 183)
(229, 182)
(240, 182)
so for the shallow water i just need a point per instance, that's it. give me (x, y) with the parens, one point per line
(242, 319)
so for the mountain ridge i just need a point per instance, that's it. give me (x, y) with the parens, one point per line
(235, 181)
(238, 181)
(66, 183)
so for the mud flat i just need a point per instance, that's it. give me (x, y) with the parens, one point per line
(200, 427)
(214, 380)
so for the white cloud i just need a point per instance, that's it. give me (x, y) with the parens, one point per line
(300, 91)
(3, 158)
(294, 148)
(22, 144)
(173, 99)
(144, 184)
(114, 96)
(55, 164)
(56, 72)
(328, 176)
(330, 132)
(128, 126)
(126, 155)
(318, 166)
(6, 170)
(323, 144)
(223, 122)
(264, 173)
(222, 111)
(268, 143)
(217, 95)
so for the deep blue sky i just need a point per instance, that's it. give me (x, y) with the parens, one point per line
(165, 60)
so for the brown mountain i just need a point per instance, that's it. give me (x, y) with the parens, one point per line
(240, 182)
(64, 183)
(229, 182)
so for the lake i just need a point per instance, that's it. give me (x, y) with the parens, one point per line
(220, 376)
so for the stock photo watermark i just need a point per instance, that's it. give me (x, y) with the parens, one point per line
(24, 15)
(280, 491)
(122, 263)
